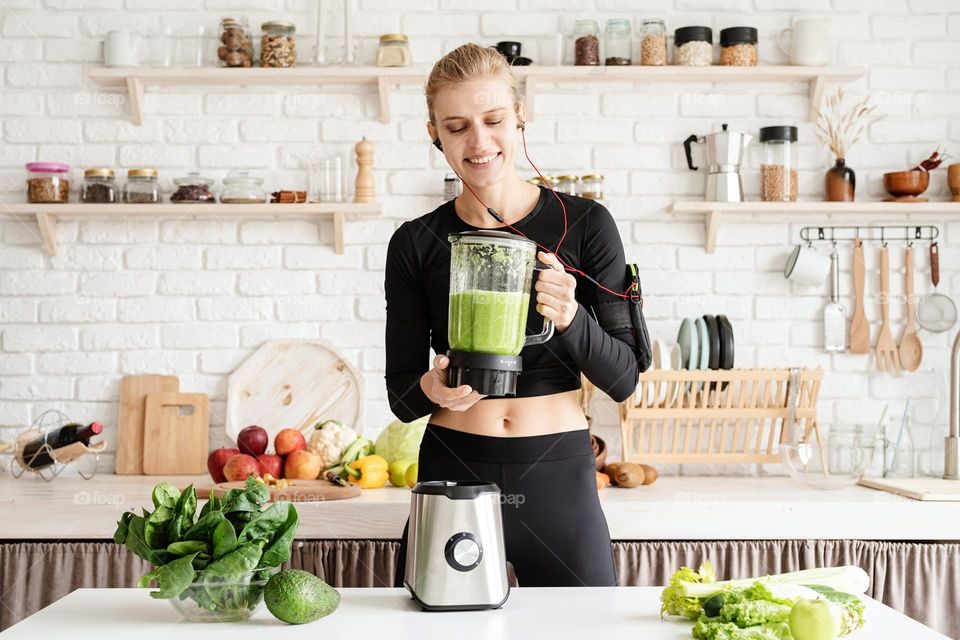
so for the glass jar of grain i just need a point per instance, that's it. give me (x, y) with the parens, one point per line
(778, 164)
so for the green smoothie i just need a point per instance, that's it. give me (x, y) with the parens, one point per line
(488, 321)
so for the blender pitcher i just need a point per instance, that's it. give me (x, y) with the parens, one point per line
(490, 281)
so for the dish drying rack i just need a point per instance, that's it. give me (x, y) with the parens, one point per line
(733, 416)
(45, 422)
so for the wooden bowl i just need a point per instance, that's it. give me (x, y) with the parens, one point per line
(906, 183)
(599, 451)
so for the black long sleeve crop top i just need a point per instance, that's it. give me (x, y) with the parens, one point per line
(417, 288)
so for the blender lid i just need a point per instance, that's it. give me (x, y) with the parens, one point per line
(455, 490)
(484, 236)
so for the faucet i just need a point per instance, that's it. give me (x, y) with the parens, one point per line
(951, 454)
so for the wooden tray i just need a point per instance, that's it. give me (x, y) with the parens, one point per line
(927, 489)
(717, 416)
(300, 491)
(293, 383)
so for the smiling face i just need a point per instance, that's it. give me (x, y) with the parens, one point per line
(477, 123)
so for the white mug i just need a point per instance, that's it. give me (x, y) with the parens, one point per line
(121, 49)
(807, 267)
(810, 42)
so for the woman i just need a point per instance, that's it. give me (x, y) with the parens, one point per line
(535, 446)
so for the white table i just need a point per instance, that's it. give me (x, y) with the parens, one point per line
(529, 614)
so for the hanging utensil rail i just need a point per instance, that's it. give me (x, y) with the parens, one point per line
(883, 233)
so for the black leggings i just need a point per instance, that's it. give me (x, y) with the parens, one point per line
(554, 529)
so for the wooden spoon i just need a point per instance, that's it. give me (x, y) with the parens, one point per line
(859, 328)
(911, 350)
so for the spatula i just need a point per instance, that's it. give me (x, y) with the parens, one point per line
(859, 329)
(911, 350)
(888, 359)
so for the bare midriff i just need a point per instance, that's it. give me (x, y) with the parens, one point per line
(515, 417)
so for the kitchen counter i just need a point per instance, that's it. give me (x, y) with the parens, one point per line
(597, 612)
(688, 508)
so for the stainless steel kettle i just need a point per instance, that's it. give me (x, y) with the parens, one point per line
(455, 552)
(724, 156)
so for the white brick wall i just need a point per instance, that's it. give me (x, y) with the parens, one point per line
(196, 297)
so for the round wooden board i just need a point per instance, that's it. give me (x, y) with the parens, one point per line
(299, 491)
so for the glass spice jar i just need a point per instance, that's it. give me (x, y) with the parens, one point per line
(586, 43)
(591, 186)
(567, 185)
(278, 44)
(537, 182)
(653, 43)
(99, 186)
(242, 188)
(236, 43)
(778, 164)
(393, 51)
(193, 188)
(616, 40)
(693, 46)
(738, 47)
(141, 187)
(47, 182)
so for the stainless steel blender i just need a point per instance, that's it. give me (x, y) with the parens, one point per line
(724, 156)
(490, 280)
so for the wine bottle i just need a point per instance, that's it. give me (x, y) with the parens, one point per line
(37, 456)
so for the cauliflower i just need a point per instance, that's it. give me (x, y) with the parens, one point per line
(330, 440)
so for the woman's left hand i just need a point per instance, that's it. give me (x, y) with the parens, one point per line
(555, 289)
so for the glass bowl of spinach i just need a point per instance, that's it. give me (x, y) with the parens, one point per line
(211, 565)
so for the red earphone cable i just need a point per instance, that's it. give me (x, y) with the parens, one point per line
(627, 295)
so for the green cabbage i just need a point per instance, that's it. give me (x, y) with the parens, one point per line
(401, 440)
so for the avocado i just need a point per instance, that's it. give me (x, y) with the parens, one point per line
(296, 597)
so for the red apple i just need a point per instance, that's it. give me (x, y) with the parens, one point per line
(253, 440)
(270, 463)
(288, 441)
(240, 466)
(216, 460)
(302, 465)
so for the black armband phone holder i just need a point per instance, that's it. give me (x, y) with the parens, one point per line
(619, 314)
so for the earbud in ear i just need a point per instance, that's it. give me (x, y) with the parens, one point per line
(436, 143)
(522, 126)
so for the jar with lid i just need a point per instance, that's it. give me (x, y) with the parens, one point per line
(99, 185)
(591, 186)
(653, 43)
(616, 40)
(538, 182)
(277, 44)
(586, 43)
(738, 47)
(242, 188)
(193, 188)
(693, 46)
(393, 51)
(48, 182)
(567, 185)
(778, 164)
(236, 43)
(141, 187)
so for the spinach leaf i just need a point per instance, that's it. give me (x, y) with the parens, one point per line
(137, 543)
(205, 526)
(123, 527)
(187, 547)
(224, 539)
(164, 491)
(213, 504)
(183, 514)
(273, 529)
(235, 564)
(155, 528)
(173, 578)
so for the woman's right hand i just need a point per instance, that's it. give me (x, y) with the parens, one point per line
(434, 385)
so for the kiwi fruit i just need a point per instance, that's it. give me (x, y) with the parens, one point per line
(650, 474)
(611, 470)
(627, 474)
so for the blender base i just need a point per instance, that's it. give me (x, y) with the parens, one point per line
(489, 374)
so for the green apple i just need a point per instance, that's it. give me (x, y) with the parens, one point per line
(398, 472)
(814, 620)
(411, 475)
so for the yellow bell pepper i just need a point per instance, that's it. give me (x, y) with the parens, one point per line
(373, 471)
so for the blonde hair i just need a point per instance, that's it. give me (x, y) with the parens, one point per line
(465, 63)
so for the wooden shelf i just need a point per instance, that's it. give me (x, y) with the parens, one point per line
(136, 80)
(48, 214)
(713, 211)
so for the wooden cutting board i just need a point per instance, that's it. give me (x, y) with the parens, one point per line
(299, 491)
(928, 489)
(176, 433)
(133, 394)
(293, 383)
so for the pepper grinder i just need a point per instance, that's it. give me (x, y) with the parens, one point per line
(365, 185)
